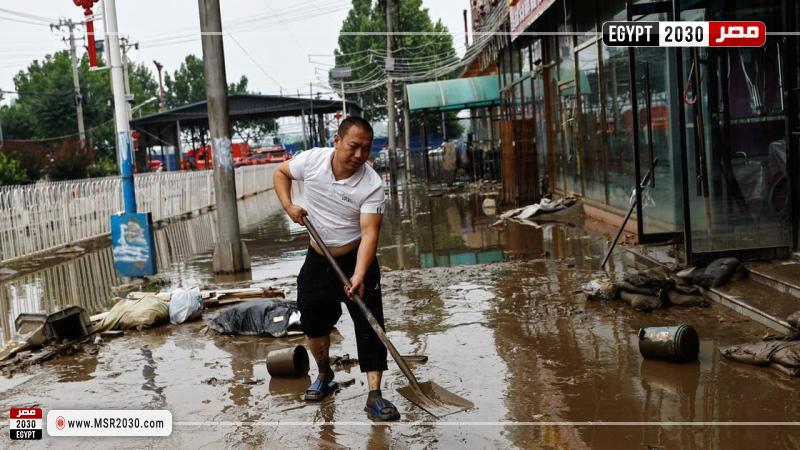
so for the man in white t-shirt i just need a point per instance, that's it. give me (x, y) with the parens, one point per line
(344, 199)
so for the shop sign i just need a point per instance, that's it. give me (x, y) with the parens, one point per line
(523, 12)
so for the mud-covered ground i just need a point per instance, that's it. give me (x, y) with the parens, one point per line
(499, 314)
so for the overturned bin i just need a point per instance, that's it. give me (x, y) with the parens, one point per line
(677, 343)
(288, 362)
(70, 323)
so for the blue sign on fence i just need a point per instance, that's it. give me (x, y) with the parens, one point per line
(132, 244)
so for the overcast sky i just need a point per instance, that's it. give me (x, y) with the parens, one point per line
(279, 35)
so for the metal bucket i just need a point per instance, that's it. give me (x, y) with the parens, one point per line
(288, 362)
(677, 344)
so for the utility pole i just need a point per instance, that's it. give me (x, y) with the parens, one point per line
(76, 85)
(162, 104)
(303, 121)
(311, 122)
(390, 107)
(131, 232)
(125, 45)
(230, 253)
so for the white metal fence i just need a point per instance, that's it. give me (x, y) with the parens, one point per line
(45, 216)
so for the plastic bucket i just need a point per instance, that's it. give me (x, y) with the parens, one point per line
(288, 362)
(677, 344)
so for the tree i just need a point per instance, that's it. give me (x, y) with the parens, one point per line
(187, 85)
(414, 54)
(45, 107)
(11, 172)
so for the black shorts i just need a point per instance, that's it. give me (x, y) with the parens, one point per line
(319, 297)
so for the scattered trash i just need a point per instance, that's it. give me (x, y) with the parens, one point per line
(185, 305)
(5, 272)
(145, 312)
(35, 330)
(489, 206)
(717, 273)
(601, 289)
(567, 209)
(288, 362)
(258, 318)
(677, 344)
(783, 356)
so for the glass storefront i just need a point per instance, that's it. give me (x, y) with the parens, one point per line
(577, 96)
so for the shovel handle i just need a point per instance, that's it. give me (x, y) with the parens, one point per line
(364, 310)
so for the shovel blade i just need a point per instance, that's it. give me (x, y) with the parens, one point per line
(434, 399)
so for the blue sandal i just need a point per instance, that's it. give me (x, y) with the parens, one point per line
(319, 389)
(382, 410)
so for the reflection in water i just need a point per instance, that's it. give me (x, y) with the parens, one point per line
(88, 280)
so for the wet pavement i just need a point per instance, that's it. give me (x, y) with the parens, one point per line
(497, 310)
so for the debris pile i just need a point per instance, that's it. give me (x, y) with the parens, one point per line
(646, 290)
(567, 209)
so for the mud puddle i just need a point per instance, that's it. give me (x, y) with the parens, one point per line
(514, 336)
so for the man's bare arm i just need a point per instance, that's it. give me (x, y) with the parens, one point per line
(282, 180)
(370, 230)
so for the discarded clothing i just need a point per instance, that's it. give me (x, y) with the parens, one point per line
(258, 318)
(185, 305)
(781, 355)
(145, 312)
(717, 273)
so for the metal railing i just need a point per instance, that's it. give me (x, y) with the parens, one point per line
(45, 216)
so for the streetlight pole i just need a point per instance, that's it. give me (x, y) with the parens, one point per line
(131, 232)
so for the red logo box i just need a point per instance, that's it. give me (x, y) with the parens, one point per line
(26, 413)
(736, 34)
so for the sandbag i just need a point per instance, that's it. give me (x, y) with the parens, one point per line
(185, 305)
(794, 319)
(145, 312)
(717, 273)
(656, 278)
(641, 302)
(678, 299)
(258, 318)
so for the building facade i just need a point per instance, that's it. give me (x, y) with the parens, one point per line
(716, 128)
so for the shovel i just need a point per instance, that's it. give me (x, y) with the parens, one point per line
(428, 395)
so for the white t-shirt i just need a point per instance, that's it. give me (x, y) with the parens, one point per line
(335, 207)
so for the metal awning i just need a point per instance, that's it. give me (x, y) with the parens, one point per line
(451, 95)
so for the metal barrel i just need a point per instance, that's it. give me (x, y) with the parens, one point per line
(288, 362)
(677, 343)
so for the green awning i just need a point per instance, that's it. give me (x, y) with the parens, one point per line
(450, 95)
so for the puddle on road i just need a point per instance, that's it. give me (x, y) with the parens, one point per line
(513, 335)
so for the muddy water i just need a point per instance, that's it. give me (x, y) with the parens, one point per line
(497, 313)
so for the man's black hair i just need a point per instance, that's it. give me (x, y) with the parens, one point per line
(344, 127)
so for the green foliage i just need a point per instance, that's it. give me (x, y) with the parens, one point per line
(45, 106)
(417, 49)
(188, 84)
(11, 171)
(103, 166)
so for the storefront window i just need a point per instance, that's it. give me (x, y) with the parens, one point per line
(618, 125)
(586, 24)
(525, 53)
(591, 129)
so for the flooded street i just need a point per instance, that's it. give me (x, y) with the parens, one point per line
(498, 312)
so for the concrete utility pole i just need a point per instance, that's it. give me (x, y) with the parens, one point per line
(76, 85)
(230, 253)
(390, 108)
